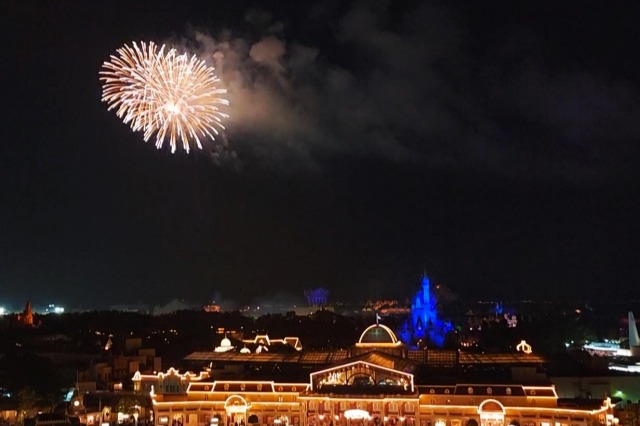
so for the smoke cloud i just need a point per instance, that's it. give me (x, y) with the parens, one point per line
(412, 89)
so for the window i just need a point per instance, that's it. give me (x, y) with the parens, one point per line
(489, 391)
(508, 391)
(470, 390)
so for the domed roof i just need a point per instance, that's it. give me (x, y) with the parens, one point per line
(225, 346)
(378, 334)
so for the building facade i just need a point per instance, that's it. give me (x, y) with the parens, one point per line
(374, 387)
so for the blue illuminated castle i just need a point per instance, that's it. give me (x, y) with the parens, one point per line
(424, 326)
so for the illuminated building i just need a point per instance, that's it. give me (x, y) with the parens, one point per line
(372, 384)
(262, 342)
(612, 348)
(425, 324)
(26, 317)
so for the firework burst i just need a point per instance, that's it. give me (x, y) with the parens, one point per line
(160, 92)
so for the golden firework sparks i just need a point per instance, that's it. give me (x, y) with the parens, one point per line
(161, 92)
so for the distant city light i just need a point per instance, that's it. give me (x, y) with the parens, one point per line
(2, 310)
(53, 309)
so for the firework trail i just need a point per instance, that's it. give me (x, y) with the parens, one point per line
(160, 92)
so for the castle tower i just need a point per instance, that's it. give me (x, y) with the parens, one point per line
(423, 308)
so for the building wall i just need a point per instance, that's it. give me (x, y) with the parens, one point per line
(310, 409)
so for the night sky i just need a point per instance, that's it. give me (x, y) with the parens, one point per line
(495, 144)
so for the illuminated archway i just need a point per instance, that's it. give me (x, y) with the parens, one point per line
(236, 408)
(360, 379)
(491, 413)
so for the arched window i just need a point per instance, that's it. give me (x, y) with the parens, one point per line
(472, 422)
(470, 390)
(514, 423)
